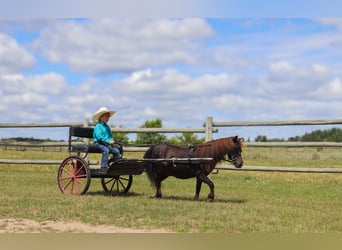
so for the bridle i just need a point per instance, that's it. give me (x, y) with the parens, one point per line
(232, 156)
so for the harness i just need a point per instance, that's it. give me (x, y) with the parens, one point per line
(192, 148)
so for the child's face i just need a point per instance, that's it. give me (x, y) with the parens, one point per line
(105, 117)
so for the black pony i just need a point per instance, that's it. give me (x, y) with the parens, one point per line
(157, 171)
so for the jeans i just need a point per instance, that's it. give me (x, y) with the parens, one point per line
(106, 150)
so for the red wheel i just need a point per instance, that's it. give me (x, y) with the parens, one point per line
(119, 184)
(73, 176)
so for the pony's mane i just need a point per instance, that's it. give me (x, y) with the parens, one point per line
(218, 148)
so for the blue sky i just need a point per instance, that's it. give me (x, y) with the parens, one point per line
(181, 70)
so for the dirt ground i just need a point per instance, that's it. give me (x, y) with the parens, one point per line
(31, 226)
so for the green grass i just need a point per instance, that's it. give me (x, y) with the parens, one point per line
(244, 202)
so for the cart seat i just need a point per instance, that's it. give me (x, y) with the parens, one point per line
(84, 132)
(84, 148)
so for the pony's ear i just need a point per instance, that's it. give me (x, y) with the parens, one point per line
(239, 141)
(242, 141)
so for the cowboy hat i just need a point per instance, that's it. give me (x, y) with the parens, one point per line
(100, 112)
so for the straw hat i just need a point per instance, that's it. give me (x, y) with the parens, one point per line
(100, 112)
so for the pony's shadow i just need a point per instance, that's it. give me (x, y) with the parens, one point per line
(173, 198)
(218, 200)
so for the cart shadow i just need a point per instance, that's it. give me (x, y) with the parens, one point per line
(129, 194)
(218, 200)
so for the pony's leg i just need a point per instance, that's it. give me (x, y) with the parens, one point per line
(198, 189)
(202, 177)
(158, 181)
(158, 190)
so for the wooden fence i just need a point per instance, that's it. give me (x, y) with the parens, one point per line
(209, 128)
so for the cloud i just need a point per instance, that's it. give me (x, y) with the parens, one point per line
(27, 97)
(110, 45)
(48, 83)
(336, 22)
(281, 67)
(13, 57)
(330, 91)
(179, 99)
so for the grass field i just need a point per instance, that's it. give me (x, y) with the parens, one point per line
(245, 201)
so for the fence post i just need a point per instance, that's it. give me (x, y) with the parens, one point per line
(86, 140)
(209, 135)
(86, 124)
(209, 128)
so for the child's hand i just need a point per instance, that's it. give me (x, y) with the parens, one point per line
(111, 142)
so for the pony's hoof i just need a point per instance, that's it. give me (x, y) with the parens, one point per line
(210, 198)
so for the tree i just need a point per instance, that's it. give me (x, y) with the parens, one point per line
(261, 138)
(121, 138)
(333, 135)
(186, 138)
(151, 138)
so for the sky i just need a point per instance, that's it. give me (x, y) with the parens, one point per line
(177, 67)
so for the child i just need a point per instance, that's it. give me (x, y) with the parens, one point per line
(103, 137)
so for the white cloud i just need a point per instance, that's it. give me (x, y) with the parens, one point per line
(13, 57)
(27, 98)
(171, 93)
(281, 67)
(49, 83)
(330, 91)
(337, 22)
(106, 46)
(320, 69)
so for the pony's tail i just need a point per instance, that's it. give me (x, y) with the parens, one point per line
(148, 166)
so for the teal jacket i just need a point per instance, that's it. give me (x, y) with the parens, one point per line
(102, 133)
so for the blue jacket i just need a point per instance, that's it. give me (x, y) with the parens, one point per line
(102, 133)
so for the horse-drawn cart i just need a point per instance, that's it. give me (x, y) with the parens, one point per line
(75, 174)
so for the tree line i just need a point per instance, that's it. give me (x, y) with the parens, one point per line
(328, 135)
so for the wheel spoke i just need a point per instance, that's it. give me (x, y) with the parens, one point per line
(77, 180)
(113, 180)
(67, 184)
(79, 170)
(117, 184)
(121, 183)
(76, 186)
(123, 178)
(67, 171)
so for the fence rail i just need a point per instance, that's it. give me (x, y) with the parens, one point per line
(278, 123)
(39, 125)
(283, 169)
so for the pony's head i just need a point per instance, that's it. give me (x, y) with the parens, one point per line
(235, 154)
